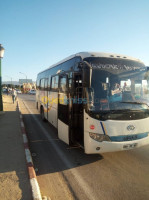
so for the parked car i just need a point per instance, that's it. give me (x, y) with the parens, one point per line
(32, 92)
(4, 90)
(19, 91)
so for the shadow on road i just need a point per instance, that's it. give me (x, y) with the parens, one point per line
(49, 153)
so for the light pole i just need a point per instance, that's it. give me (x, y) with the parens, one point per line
(25, 75)
(1, 56)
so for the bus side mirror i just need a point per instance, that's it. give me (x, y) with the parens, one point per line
(87, 74)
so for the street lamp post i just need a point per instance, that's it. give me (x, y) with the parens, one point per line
(1, 56)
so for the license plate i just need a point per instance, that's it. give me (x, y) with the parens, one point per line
(130, 146)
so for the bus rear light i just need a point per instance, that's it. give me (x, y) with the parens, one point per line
(99, 137)
(92, 127)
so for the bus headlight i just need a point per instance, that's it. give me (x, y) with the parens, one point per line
(99, 137)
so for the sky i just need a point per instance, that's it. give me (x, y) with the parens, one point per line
(39, 33)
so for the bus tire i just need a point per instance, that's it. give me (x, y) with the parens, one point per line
(42, 114)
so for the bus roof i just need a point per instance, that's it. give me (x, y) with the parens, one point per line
(107, 55)
(95, 54)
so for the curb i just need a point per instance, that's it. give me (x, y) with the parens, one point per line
(32, 175)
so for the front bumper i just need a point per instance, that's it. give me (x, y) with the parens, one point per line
(95, 147)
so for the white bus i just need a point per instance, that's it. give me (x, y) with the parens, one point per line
(97, 100)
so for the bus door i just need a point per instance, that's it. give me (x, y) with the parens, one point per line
(63, 109)
(77, 111)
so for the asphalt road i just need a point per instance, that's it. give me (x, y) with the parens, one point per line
(67, 173)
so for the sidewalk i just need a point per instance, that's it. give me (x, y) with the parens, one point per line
(14, 179)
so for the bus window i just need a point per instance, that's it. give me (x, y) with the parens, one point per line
(38, 84)
(54, 83)
(126, 85)
(70, 83)
(42, 84)
(68, 65)
(46, 85)
(63, 84)
(49, 82)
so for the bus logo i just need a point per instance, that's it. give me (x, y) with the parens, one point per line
(130, 127)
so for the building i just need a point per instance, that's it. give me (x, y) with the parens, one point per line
(21, 81)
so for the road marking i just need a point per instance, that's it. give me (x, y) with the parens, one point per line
(85, 187)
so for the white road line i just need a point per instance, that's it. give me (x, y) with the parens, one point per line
(87, 190)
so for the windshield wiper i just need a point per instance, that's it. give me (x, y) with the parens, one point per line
(134, 102)
(119, 111)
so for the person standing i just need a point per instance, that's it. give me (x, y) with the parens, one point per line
(14, 95)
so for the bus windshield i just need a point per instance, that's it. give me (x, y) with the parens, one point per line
(119, 86)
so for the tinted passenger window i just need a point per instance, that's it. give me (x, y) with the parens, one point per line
(46, 84)
(63, 84)
(42, 84)
(38, 84)
(54, 85)
(49, 82)
(68, 65)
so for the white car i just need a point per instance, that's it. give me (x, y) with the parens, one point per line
(18, 91)
(32, 92)
(4, 90)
